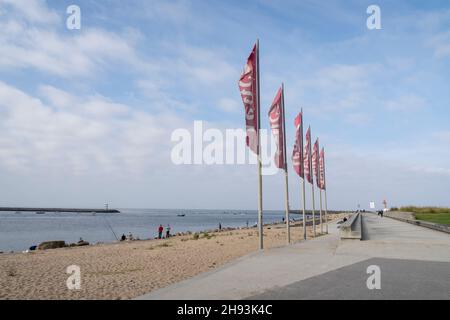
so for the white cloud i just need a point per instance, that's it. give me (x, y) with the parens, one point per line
(339, 87)
(443, 136)
(43, 48)
(86, 134)
(407, 103)
(359, 119)
(56, 97)
(229, 105)
(441, 44)
(34, 11)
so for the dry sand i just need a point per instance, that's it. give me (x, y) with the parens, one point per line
(129, 269)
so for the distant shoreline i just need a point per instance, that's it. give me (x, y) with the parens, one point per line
(60, 210)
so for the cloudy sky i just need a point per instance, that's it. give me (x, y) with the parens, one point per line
(86, 115)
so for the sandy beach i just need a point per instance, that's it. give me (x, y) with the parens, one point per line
(129, 269)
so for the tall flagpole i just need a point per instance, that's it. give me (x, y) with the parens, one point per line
(321, 220)
(304, 208)
(325, 191)
(318, 186)
(326, 212)
(286, 198)
(260, 201)
(312, 184)
(302, 163)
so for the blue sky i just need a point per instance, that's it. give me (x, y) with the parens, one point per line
(86, 115)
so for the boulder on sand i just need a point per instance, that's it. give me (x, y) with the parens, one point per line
(51, 245)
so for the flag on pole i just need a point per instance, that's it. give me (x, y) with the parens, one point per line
(315, 162)
(322, 169)
(306, 161)
(276, 124)
(297, 154)
(248, 88)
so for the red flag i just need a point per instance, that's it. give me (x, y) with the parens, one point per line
(248, 87)
(297, 154)
(322, 169)
(315, 162)
(276, 113)
(307, 157)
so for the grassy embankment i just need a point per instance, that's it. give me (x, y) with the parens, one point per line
(431, 214)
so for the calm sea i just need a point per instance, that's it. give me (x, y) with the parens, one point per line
(20, 230)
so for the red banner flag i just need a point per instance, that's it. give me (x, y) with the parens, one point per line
(248, 87)
(297, 154)
(276, 113)
(307, 156)
(315, 162)
(322, 169)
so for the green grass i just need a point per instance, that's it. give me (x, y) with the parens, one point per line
(425, 209)
(440, 218)
(431, 214)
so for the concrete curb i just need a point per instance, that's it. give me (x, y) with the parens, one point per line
(425, 224)
(352, 228)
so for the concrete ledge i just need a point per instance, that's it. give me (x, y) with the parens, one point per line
(420, 223)
(352, 228)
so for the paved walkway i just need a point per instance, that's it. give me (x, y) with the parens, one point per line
(414, 263)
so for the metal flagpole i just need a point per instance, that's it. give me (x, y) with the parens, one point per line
(260, 201)
(326, 212)
(304, 207)
(321, 220)
(312, 184)
(325, 191)
(318, 184)
(288, 229)
(302, 163)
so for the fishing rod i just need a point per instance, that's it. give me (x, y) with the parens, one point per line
(107, 222)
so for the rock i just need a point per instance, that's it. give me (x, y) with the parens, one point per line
(51, 245)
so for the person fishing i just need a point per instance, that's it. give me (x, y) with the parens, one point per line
(160, 231)
(168, 231)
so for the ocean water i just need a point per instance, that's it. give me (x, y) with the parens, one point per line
(19, 231)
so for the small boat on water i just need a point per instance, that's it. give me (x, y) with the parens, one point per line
(40, 212)
(181, 215)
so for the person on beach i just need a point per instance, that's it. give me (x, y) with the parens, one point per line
(123, 238)
(168, 231)
(130, 237)
(160, 231)
(220, 226)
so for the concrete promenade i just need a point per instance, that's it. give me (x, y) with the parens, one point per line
(414, 264)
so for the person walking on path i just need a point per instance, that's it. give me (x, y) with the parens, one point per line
(160, 231)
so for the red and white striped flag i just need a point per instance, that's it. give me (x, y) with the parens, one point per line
(315, 162)
(297, 154)
(248, 86)
(322, 169)
(307, 155)
(276, 113)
